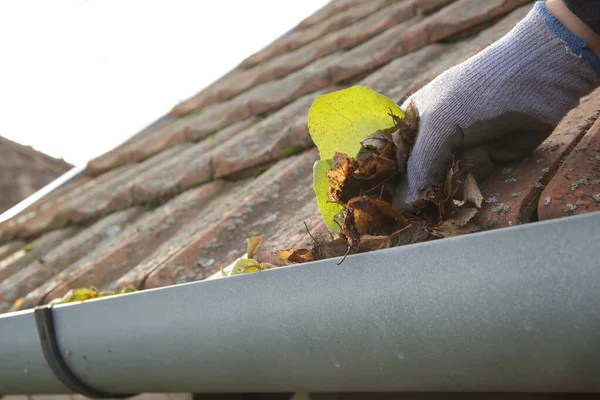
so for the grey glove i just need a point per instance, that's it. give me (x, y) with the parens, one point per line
(500, 104)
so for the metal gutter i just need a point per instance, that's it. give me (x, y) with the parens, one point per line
(514, 309)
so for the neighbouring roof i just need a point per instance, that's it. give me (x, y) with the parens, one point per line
(176, 203)
(23, 171)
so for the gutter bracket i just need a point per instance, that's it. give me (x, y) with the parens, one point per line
(52, 354)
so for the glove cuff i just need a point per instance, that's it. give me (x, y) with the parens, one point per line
(577, 46)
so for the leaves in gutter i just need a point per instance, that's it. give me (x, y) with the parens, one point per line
(363, 186)
(248, 264)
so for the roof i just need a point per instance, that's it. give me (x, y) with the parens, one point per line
(24, 170)
(235, 160)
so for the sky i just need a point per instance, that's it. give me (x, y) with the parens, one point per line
(78, 77)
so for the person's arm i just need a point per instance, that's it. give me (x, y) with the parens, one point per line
(500, 104)
(582, 17)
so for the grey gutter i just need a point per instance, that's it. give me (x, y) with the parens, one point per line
(513, 309)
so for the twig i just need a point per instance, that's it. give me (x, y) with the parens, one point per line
(345, 255)
(401, 230)
(309, 234)
(383, 181)
(338, 224)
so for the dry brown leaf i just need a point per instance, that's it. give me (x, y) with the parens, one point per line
(449, 229)
(471, 192)
(253, 244)
(411, 118)
(373, 166)
(431, 198)
(376, 141)
(16, 305)
(441, 197)
(402, 149)
(371, 243)
(415, 232)
(369, 221)
(404, 135)
(335, 248)
(463, 216)
(338, 176)
(296, 256)
(452, 182)
(372, 217)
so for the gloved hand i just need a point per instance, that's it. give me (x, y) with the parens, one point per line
(500, 104)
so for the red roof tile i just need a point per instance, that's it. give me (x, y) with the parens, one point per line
(575, 187)
(23, 171)
(176, 203)
(131, 241)
(344, 37)
(512, 192)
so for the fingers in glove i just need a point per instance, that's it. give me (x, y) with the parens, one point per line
(430, 158)
(508, 137)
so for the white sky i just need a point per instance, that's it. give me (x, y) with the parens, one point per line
(78, 77)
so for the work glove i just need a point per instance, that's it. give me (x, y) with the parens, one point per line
(500, 104)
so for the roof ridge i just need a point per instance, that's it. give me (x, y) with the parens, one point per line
(56, 165)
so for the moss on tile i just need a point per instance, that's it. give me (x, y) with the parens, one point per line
(28, 247)
(153, 204)
(292, 151)
(65, 224)
(193, 113)
(259, 171)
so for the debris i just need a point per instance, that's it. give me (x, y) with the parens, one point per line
(253, 244)
(82, 294)
(472, 193)
(463, 216)
(296, 256)
(364, 147)
(449, 229)
(16, 305)
(245, 265)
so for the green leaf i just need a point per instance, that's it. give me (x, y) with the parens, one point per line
(242, 264)
(321, 186)
(339, 121)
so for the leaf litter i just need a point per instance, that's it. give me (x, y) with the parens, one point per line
(364, 146)
(362, 187)
(248, 264)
